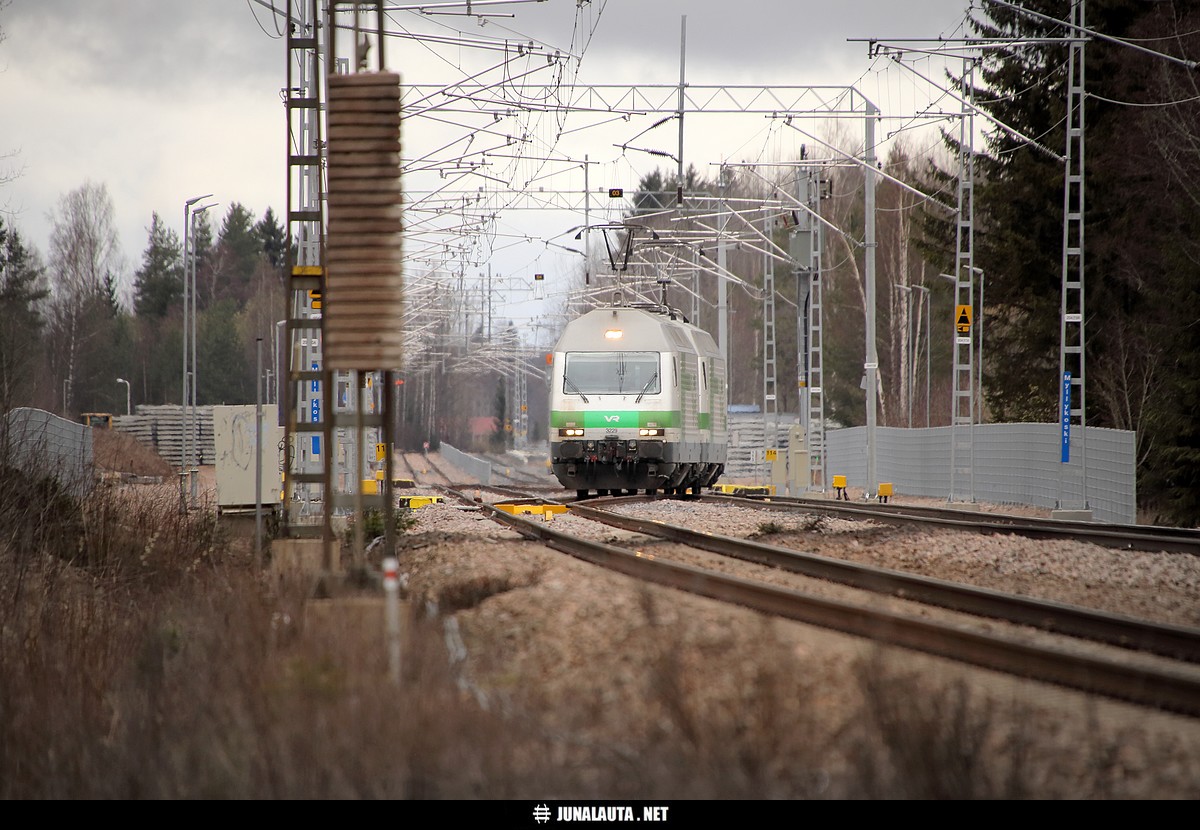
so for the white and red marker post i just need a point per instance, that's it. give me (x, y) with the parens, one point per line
(391, 587)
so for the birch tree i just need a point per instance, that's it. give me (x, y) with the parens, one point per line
(84, 255)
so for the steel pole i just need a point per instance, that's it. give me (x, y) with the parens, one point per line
(917, 345)
(871, 364)
(183, 395)
(196, 457)
(979, 330)
(258, 461)
(184, 457)
(127, 394)
(193, 460)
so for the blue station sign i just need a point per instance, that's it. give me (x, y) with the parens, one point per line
(1066, 417)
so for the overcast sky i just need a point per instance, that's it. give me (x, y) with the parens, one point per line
(162, 100)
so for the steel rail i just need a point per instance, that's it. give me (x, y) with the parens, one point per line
(1169, 688)
(517, 476)
(407, 470)
(1126, 537)
(1176, 642)
(1186, 534)
(438, 471)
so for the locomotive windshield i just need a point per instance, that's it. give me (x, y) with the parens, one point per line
(611, 373)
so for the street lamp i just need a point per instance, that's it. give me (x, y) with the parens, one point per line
(196, 212)
(275, 362)
(122, 380)
(910, 372)
(195, 421)
(928, 339)
(184, 456)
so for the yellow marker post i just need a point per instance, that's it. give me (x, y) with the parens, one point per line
(839, 484)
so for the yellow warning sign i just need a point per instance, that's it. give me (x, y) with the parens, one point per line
(962, 319)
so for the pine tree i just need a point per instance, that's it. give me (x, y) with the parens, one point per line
(23, 290)
(158, 283)
(235, 258)
(272, 238)
(225, 376)
(1140, 223)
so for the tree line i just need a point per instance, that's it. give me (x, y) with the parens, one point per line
(1142, 217)
(70, 333)
(1141, 243)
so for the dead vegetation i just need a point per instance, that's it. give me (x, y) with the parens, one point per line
(146, 657)
(118, 452)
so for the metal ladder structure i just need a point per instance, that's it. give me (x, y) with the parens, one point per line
(770, 402)
(304, 394)
(813, 379)
(1072, 401)
(521, 439)
(343, 218)
(962, 409)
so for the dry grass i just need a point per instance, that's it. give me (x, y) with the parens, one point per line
(145, 657)
(119, 452)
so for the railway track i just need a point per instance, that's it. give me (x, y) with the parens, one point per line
(426, 471)
(513, 475)
(403, 468)
(1125, 537)
(1137, 661)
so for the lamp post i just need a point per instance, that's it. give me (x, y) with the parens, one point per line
(127, 393)
(196, 458)
(184, 457)
(910, 371)
(275, 362)
(928, 339)
(258, 454)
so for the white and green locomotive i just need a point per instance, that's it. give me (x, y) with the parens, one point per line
(638, 401)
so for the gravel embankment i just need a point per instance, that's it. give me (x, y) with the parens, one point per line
(550, 631)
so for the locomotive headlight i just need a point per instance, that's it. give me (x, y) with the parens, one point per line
(571, 432)
(614, 334)
(649, 433)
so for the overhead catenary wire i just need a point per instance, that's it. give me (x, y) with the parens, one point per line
(461, 164)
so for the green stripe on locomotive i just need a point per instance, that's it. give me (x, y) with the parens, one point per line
(615, 419)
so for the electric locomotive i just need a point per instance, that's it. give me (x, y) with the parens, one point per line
(638, 401)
